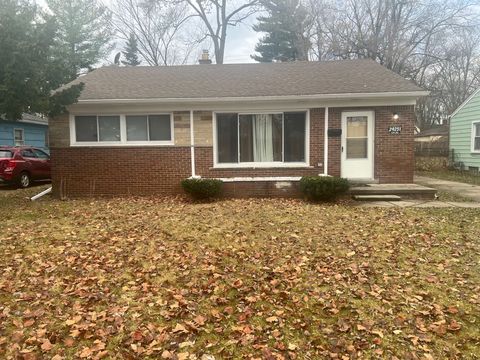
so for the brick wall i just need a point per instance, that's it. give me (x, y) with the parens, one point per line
(108, 171)
(394, 154)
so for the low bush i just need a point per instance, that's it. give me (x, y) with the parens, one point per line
(201, 189)
(323, 188)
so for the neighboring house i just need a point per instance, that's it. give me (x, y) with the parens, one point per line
(31, 130)
(433, 141)
(465, 134)
(258, 127)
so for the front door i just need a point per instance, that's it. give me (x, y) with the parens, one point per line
(357, 145)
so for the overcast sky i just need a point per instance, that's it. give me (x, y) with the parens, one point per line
(240, 45)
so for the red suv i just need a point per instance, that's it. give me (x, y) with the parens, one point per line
(21, 165)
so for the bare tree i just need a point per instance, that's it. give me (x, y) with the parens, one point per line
(217, 16)
(453, 77)
(409, 37)
(158, 27)
(322, 17)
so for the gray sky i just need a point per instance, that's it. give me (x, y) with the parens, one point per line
(240, 45)
(241, 42)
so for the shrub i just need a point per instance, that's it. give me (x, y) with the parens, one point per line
(201, 189)
(323, 188)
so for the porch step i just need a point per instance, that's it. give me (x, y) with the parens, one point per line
(405, 191)
(377, 197)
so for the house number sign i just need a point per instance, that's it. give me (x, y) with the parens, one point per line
(395, 129)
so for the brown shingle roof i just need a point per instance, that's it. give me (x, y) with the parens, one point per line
(242, 80)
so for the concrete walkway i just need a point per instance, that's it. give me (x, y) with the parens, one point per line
(420, 204)
(462, 189)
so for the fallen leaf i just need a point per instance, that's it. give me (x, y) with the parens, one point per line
(86, 352)
(179, 328)
(46, 345)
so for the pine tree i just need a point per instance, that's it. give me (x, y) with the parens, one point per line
(131, 52)
(29, 67)
(84, 33)
(285, 27)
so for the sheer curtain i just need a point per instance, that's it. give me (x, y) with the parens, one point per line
(263, 138)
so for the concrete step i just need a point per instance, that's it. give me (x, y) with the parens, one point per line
(377, 197)
(406, 191)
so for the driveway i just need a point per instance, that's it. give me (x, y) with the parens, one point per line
(463, 189)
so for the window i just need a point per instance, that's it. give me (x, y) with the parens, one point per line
(40, 154)
(5, 154)
(261, 139)
(476, 137)
(19, 137)
(27, 153)
(148, 128)
(122, 130)
(97, 128)
(108, 128)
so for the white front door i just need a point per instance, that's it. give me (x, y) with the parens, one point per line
(357, 145)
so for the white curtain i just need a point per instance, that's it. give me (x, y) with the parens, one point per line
(262, 138)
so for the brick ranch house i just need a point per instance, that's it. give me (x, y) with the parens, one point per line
(258, 127)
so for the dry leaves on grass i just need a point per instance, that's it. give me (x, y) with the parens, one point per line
(271, 279)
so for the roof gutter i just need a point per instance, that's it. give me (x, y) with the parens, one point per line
(409, 94)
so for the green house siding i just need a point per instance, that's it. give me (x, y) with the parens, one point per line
(461, 132)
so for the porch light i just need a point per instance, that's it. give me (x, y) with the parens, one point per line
(395, 116)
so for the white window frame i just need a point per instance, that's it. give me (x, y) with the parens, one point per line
(474, 125)
(123, 132)
(15, 138)
(259, 164)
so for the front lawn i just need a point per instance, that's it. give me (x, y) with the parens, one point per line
(263, 279)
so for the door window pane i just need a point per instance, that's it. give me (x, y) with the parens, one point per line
(357, 148)
(109, 128)
(227, 138)
(357, 137)
(86, 128)
(137, 128)
(294, 136)
(357, 126)
(159, 127)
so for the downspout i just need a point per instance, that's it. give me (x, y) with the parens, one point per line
(325, 145)
(38, 196)
(192, 146)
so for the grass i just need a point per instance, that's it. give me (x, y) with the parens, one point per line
(452, 175)
(449, 196)
(271, 279)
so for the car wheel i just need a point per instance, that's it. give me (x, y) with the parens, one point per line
(24, 180)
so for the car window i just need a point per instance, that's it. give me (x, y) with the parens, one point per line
(5, 154)
(28, 153)
(40, 154)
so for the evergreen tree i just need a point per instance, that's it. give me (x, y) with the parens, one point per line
(29, 69)
(84, 33)
(285, 32)
(131, 52)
